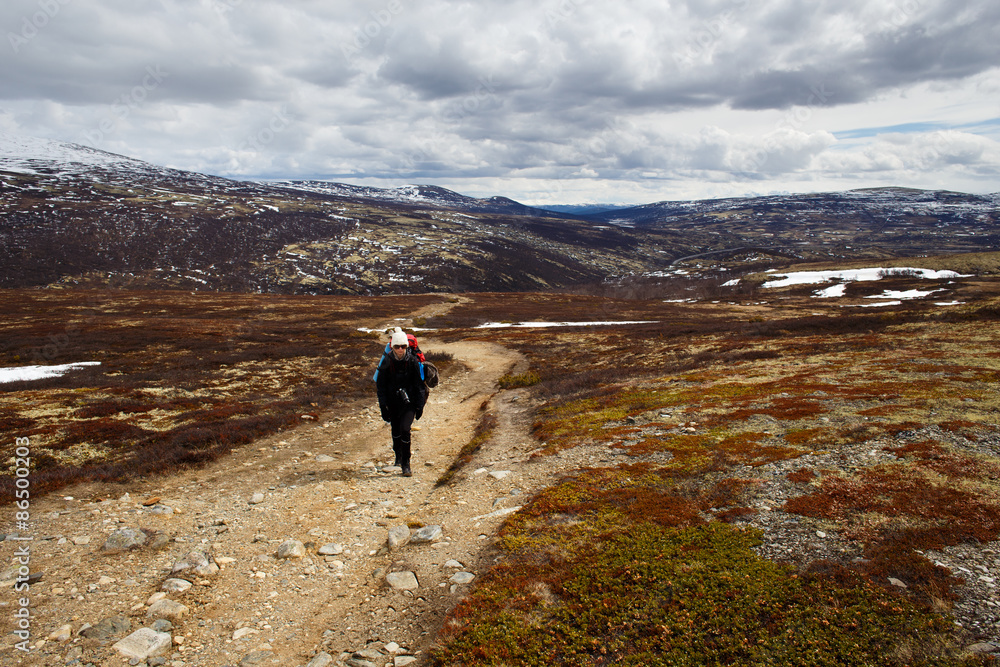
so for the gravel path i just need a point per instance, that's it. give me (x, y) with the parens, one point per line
(298, 525)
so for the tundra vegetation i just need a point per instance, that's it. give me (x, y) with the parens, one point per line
(651, 559)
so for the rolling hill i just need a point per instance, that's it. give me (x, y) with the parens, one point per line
(72, 215)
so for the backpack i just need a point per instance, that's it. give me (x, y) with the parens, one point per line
(412, 340)
(428, 371)
(430, 374)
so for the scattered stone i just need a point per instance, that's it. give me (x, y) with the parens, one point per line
(81, 541)
(427, 534)
(462, 578)
(63, 634)
(244, 632)
(358, 662)
(143, 643)
(402, 581)
(321, 660)
(369, 654)
(896, 582)
(168, 609)
(156, 597)
(398, 537)
(258, 658)
(403, 660)
(291, 549)
(323, 458)
(453, 563)
(107, 629)
(124, 539)
(500, 474)
(176, 585)
(160, 541)
(197, 562)
(257, 499)
(162, 625)
(331, 550)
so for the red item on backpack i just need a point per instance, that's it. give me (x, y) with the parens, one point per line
(412, 340)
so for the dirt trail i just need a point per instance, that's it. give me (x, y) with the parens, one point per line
(322, 484)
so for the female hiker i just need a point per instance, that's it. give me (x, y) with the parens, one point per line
(401, 395)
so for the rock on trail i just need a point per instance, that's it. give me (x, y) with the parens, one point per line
(301, 548)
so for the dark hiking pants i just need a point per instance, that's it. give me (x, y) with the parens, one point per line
(401, 424)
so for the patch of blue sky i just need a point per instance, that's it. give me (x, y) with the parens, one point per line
(988, 126)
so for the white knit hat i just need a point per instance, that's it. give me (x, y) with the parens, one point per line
(399, 338)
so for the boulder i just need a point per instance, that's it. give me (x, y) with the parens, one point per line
(167, 609)
(197, 562)
(124, 539)
(427, 534)
(107, 628)
(402, 581)
(291, 549)
(398, 537)
(144, 643)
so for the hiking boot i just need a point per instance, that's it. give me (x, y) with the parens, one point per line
(406, 470)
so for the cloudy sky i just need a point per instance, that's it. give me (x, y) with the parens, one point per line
(544, 101)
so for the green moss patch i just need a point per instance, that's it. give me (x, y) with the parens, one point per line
(650, 594)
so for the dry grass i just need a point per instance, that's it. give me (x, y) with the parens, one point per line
(697, 401)
(700, 400)
(183, 378)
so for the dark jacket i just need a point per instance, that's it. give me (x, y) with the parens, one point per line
(394, 375)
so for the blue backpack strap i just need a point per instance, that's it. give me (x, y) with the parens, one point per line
(379, 365)
(421, 364)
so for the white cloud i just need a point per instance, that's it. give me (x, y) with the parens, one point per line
(645, 99)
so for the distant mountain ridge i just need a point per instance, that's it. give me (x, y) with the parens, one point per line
(431, 195)
(889, 199)
(73, 215)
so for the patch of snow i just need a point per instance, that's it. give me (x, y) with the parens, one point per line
(880, 304)
(909, 294)
(860, 275)
(831, 292)
(530, 325)
(23, 373)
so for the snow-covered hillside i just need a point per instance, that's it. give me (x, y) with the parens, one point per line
(32, 155)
